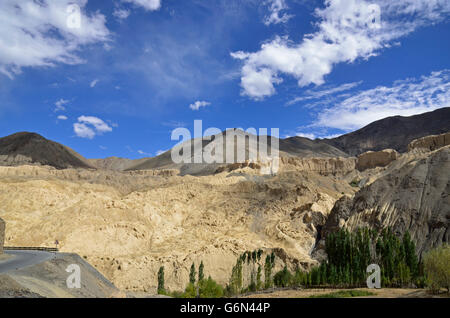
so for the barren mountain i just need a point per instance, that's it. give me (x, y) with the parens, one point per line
(290, 147)
(115, 163)
(393, 132)
(389, 133)
(30, 148)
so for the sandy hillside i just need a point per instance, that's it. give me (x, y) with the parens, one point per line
(129, 224)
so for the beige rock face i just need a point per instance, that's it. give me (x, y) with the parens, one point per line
(373, 159)
(129, 224)
(430, 143)
(412, 195)
(2, 235)
(324, 166)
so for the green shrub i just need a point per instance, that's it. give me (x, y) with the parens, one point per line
(344, 294)
(210, 289)
(190, 291)
(283, 278)
(437, 268)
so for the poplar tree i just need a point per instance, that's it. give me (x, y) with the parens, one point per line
(161, 289)
(201, 275)
(192, 274)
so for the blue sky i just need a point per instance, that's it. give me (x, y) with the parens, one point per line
(133, 70)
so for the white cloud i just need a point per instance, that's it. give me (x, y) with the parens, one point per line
(347, 30)
(60, 105)
(405, 98)
(160, 152)
(198, 104)
(83, 131)
(121, 14)
(276, 6)
(62, 117)
(316, 94)
(37, 34)
(94, 82)
(150, 5)
(90, 126)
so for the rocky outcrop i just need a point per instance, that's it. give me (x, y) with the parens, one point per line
(430, 143)
(2, 235)
(323, 166)
(414, 197)
(373, 159)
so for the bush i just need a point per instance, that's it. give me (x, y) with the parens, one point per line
(190, 291)
(437, 268)
(283, 278)
(344, 294)
(210, 289)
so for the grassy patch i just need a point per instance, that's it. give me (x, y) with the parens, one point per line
(355, 183)
(344, 293)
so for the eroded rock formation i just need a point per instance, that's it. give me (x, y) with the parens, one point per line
(373, 159)
(430, 143)
(414, 197)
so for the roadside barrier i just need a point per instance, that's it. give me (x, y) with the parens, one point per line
(22, 248)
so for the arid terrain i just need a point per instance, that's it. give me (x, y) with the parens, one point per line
(129, 223)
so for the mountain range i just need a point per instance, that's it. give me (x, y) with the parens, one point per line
(388, 133)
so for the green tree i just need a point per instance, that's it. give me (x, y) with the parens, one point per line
(201, 275)
(192, 274)
(235, 284)
(258, 278)
(161, 289)
(283, 278)
(260, 251)
(268, 272)
(410, 255)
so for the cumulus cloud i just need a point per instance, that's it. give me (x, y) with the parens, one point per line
(347, 30)
(60, 105)
(62, 117)
(150, 5)
(275, 16)
(90, 126)
(198, 104)
(39, 33)
(406, 98)
(83, 131)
